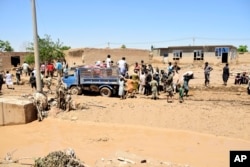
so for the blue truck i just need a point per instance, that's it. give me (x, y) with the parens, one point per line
(94, 79)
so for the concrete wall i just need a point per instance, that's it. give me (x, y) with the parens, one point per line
(16, 110)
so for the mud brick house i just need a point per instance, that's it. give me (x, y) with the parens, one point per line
(191, 54)
(9, 60)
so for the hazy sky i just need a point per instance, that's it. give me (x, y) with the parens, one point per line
(134, 23)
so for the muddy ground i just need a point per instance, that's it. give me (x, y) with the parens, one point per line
(198, 133)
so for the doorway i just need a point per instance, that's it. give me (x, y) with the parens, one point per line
(15, 60)
(224, 58)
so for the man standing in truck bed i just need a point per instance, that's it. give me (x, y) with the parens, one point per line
(122, 66)
(108, 61)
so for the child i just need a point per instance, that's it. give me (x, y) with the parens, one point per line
(33, 81)
(8, 80)
(121, 92)
(154, 86)
(18, 76)
(48, 83)
(181, 93)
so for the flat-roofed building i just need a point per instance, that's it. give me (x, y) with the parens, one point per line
(191, 54)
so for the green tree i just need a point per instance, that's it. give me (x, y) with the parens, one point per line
(123, 46)
(48, 50)
(30, 58)
(242, 48)
(5, 46)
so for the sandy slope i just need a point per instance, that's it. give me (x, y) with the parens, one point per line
(93, 141)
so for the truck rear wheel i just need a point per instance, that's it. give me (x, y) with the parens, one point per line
(75, 90)
(105, 92)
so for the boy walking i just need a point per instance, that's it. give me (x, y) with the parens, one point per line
(33, 80)
(181, 93)
(47, 82)
(207, 70)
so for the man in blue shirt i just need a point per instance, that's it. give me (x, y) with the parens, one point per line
(59, 68)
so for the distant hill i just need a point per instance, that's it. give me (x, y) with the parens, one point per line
(91, 55)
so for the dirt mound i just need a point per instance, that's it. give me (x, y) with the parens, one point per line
(91, 55)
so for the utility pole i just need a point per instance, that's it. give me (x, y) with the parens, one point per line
(36, 49)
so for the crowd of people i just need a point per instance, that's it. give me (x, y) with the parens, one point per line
(146, 80)
(25, 70)
(142, 79)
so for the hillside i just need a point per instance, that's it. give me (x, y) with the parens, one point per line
(92, 55)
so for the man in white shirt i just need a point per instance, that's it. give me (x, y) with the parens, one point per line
(25, 67)
(34, 72)
(108, 61)
(122, 66)
(142, 83)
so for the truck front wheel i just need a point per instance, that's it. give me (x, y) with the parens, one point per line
(105, 92)
(75, 90)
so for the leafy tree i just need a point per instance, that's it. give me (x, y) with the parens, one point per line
(5, 46)
(30, 58)
(123, 46)
(48, 50)
(242, 48)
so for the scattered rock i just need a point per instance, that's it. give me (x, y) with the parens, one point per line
(74, 118)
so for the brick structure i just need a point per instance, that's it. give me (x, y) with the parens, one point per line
(9, 60)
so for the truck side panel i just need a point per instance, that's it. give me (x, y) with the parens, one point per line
(99, 76)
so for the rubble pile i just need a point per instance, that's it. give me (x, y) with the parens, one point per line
(59, 159)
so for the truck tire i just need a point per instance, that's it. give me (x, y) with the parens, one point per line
(105, 92)
(75, 90)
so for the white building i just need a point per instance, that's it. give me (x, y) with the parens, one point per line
(191, 54)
